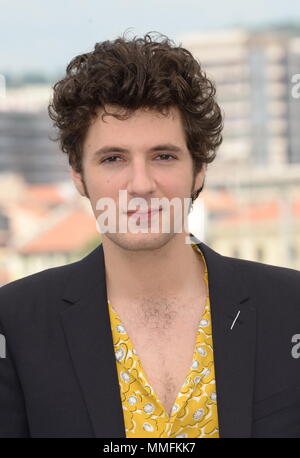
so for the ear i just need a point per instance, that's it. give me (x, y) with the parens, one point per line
(199, 179)
(77, 179)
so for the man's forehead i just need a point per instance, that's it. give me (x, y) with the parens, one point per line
(111, 132)
(171, 112)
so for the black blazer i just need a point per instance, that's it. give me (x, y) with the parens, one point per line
(59, 376)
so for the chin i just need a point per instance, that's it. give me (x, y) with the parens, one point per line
(140, 241)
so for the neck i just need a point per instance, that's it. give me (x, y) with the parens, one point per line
(174, 269)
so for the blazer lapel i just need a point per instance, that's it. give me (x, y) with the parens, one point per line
(88, 333)
(234, 341)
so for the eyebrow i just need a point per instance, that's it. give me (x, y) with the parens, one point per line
(117, 149)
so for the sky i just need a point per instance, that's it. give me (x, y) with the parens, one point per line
(43, 35)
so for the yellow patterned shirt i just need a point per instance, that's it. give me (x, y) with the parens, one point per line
(194, 413)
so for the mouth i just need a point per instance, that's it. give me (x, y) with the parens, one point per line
(149, 212)
(144, 216)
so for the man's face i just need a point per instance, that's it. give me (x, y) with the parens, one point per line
(145, 155)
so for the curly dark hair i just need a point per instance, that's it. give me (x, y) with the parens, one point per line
(137, 73)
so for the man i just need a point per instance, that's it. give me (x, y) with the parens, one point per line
(153, 334)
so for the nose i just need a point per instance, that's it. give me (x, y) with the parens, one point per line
(141, 182)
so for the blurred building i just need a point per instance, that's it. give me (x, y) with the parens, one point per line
(263, 227)
(253, 72)
(258, 163)
(42, 226)
(25, 132)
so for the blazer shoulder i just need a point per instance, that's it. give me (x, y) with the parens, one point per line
(43, 291)
(260, 273)
(270, 268)
(38, 278)
(252, 269)
(23, 291)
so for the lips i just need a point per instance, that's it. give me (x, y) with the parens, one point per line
(149, 212)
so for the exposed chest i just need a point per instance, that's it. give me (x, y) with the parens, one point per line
(164, 342)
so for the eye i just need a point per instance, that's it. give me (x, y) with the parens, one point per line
(110, 159)
(166, 155)
(113, 159)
